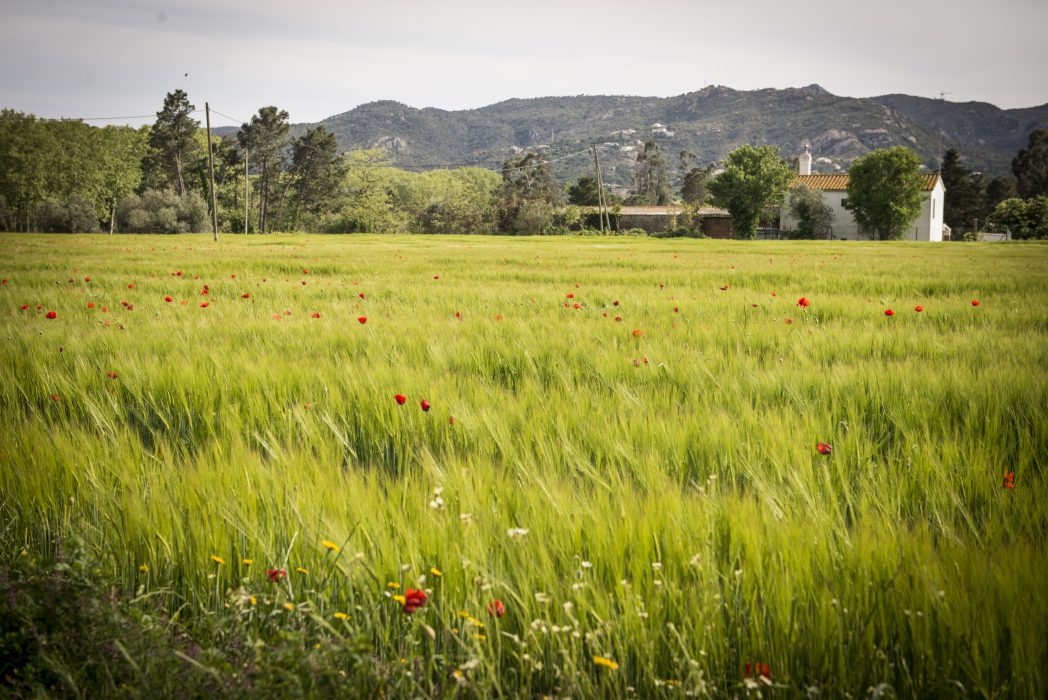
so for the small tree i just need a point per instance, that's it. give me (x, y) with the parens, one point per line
(1030, 166)
(814, 216)
(528, 195)
(265, 137)
(693, 189)
(964, 199)
(651, 184)
(584, 192)
(884, 191)
(755, 179)
(1024, 218)
(172, 137)
(318, 171)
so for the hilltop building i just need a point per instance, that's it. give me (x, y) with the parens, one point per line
(929, 225)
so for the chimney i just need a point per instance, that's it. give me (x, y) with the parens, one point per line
(804, 162)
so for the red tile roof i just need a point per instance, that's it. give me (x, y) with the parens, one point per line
(839, 183)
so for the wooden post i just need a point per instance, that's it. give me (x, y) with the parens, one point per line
(605, 215)
(211, 167)
(247, 181)
(596, 172)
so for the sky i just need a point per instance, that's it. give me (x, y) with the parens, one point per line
(318, 58)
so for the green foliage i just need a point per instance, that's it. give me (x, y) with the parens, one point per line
(73, 214)
(651, 184)
(693, 188)
(173, 138)
(754, 181)
(884, 191)
(964, 201)
(265, 138)
(529, 194)
(584, 192)
(814, 216)
(318, 172)
(162, 211)
(1024, 218)
(1030, 166)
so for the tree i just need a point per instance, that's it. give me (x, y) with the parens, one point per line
(528, 195)
(964, 199)
(172, 136)
(651, 185)
(318, 170)
(754, 181)
(120, 153)
(998, 189)
(1030, 166)
(369, 206)
(584, 192)
(1024, 218)
(693, 189)
(814, 216)
(265, 137)
(884, 191)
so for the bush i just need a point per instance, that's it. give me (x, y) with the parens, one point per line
(71, 215)
(162, 211)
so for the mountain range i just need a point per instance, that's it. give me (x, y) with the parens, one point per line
(707, 123)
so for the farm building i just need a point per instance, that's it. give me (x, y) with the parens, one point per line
(716, 223)
(929, 225)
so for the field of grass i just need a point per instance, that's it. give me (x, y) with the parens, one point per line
(620, 448)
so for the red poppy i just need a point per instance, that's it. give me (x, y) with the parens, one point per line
(362, 320)
(918, 308)
(87, 279)
(757, 669)
(803, 302)
(204, 292)
(425, 405)
(615, 303)
(637, 332)
(413, 600)
(303, 282)
(3, 282)
(676, 309)
(315, 314)
(823, 448)
(52, 314)
(203, 305)
(724, 287)
(1009, 480)
(54, 397)
(39, 307)
(789, 321)
(245, 295)
(975, 302)
(577, 305)
(112, 375)
(276, 574)
(90, 304)
(889, 312)
(618, 318)
(458, 314)
(436, 277)
(499, 317)
(168, 299)
(571, 296)
(130, 286)
(178, 274)
(305, 271)
(496, 608)
(71, 280)
(400, 398)
(24, 307)
(361, 295)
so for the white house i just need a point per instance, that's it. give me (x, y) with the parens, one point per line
(928, 226)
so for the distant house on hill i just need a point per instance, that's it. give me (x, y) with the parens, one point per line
(929, 225)
(715, 223)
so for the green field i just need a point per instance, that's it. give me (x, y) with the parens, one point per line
(644, 495)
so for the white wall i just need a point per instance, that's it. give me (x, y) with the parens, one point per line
(927, 227)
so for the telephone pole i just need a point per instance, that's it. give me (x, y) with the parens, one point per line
(600, 200)
(211, 167)
(247, 181)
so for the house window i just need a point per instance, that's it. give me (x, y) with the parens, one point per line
(844, 202)
(933, 208)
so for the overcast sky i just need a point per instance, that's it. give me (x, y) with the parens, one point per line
(316, 58)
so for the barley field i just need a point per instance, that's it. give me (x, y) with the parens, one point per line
(527, 467)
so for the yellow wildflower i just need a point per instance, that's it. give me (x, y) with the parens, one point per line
(248, 562)
(143, 568)
(435, 571)
(254, 600)
(217, 559)
(341, 616)
(289, 606)
(328, 544)
(480, 636)
(400, 599)
(606, 662)
(302, 571)
(392, 584)
(24, 553)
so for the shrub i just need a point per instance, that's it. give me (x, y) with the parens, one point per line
(71, 215)
(162, 211)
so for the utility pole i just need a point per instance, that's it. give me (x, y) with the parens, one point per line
(211, 167)
(601, 194)
(247, 181)
(600, 200)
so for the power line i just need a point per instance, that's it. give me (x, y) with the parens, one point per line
(112, 119)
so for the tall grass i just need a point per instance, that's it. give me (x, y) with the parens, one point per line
(679, 520)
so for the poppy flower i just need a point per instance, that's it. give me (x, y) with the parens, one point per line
(54, 397)
(4, 282)
(275, 575)
(315, 314)
(496, 608)
(203, 305)
(361, 295)
(245, 295)
(168, 299)
(615, 303)
(413, 600)
(52, 314)
(724, 287)
(130, 286)
(24, 307)
(39, 307)
(637, 332)
(87, 279)
(757, 669)
(458, 314)
(90, 304)
(425, 405)
(436, 277)
(789, 321)
(889, 312)
(401, 399)
(803, 302)
(975, 302)
(112, 375)
(618, 318)
(1009, 481)
(305, 271)
(499, 317)
(577, 305)
(823, 448)
(918, 308)
(571, 296)
(303, 282)
(676, 309)
(71, 280)
(362, 320)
